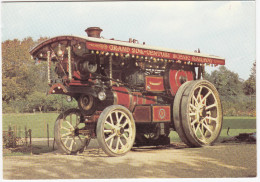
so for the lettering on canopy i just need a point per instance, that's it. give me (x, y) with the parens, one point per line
(152, 53)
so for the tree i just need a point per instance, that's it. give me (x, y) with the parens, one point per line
(20, 75)
(227, 82)
(37, 100)
(17, 81)
(249, 85)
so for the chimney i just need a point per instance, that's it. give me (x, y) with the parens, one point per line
(94, 32)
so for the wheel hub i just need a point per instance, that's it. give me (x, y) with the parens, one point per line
(203, 112)
(120, 131)
(76, 132)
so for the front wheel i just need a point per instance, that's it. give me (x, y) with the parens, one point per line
(116, 130)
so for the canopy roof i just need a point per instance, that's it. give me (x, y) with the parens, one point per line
(100, 44)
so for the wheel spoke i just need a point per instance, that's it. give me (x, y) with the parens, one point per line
(193, 107)
(211, 106)
(111, 142)
(194, 98)
(117, 119)
(121, 143)
(112, 125)
(192, 114)
(73, 138)
(196, 129)
(199, 94)
(107, 131)
(111, 136)
(211, 118)
(66, 140)
(202, 134)
(205, 126)
(127, 130)
(71, 145)
(117, 143)
(209, 113)
(65, 128)
(111, 119)
(194, 121)
(121, 117)
(205, 97)
(66, 134)
(125, 123)
(125, 137)
(69, 124)
(78, 119)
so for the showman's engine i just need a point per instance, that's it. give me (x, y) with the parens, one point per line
(129, 94)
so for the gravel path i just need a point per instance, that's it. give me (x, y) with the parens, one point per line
(176, 161)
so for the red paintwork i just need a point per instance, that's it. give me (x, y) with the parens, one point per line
(137, 98)
(123, 98)
(76, 74)
(161, 113)
(142, 114)
(130, 100)
(58, 88)
(154, 83)
(78, 83)
(174, 79)
(152, 53)
(153, 101)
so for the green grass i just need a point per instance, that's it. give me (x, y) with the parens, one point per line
(236, 124)
(38, 123)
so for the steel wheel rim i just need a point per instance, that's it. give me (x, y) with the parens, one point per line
(118, 131)
(204, 114)
(70, 137)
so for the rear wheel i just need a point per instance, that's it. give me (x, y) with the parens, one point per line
(199, 119)
(116, 130)
(177, 115)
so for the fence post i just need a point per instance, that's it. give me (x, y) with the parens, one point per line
(30, 135)
(25, 130)
(9, 137)
(48, 133)
(19, 131)
(14, 136)
(53, 143)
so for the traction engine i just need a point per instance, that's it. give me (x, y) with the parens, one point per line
(129, 94)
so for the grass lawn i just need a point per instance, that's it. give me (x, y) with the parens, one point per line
(38, 123)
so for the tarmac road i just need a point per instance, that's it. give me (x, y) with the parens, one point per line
(175, 161)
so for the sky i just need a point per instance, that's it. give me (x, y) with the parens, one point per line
(222, 28)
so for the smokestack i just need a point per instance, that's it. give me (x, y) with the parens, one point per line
(94, 32)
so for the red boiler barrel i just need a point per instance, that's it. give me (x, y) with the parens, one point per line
(123, 96)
